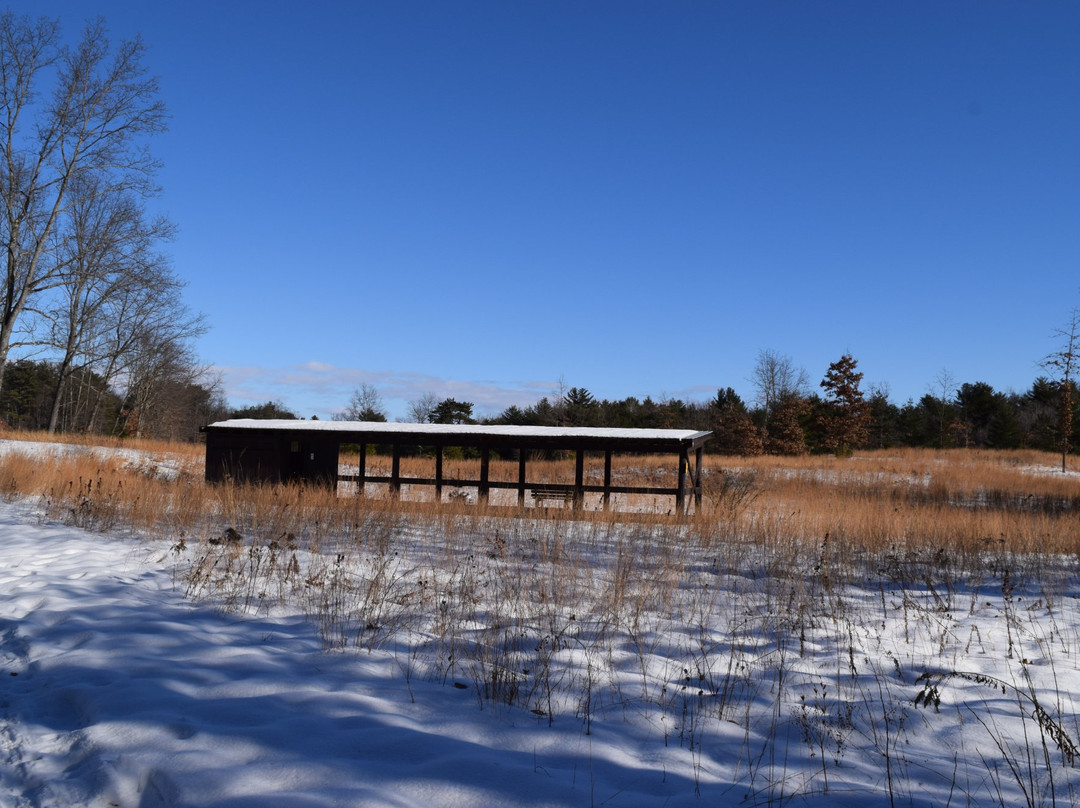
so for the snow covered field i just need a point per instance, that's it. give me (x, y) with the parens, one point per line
(117, 690)
(484, 662)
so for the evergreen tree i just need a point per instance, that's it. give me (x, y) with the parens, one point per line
(845, 414)
(977, 407)
(450, 411)
(734, 432)
(988, 417)
(26, 397)
(927, 423)
(271, 410)
(786, 434)
(580, 408)
(1038, 420)
(885, 421)
(542, 413)
(513, 416)
(1005, 431)
(654, 415)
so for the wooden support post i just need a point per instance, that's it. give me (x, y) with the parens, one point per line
(361, 472)
(607, 479)
(522, 454)
(579, 479)
(395, 472)
(438, 473)
(697, 481)
(485, 463)
(680, 494)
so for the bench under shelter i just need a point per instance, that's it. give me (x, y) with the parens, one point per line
(250, 450)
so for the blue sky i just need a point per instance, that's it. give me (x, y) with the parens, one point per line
(487, 199)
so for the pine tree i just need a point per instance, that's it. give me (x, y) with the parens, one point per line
(845, 417)
(734, 431)
(451, 411)
(785, 434)
(580, 408)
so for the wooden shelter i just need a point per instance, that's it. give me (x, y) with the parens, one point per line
(280, 451)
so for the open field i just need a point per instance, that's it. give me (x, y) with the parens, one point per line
(898, 627)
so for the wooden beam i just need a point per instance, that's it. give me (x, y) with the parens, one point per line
(512, 485)
(579, 479)
(697, 481)
(607, 479)
(522, 455)
(438, 473)
(485, 463)
(395, 472)
(680, 495)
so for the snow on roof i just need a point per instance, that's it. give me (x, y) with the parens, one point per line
(464, 430)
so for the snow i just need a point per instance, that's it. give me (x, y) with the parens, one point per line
(118, 689)
(465, 430)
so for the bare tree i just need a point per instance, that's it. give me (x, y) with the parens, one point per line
(364, 405)
(107, 251)
(159, 362)
(91, 131)
(943, 390)
(148, 343)
(422, 410)
(775, 377)
(1063, 363)
(186, 400)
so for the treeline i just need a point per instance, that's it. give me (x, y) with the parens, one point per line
(35, 397)
(788, 417)
(974, 416)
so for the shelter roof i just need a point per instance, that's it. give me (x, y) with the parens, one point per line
(479, 435)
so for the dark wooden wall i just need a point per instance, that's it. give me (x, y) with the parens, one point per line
(270, 458)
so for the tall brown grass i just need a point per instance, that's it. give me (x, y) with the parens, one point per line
(966, 501)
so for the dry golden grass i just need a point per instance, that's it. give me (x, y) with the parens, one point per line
(965, 500)
(961, 501)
